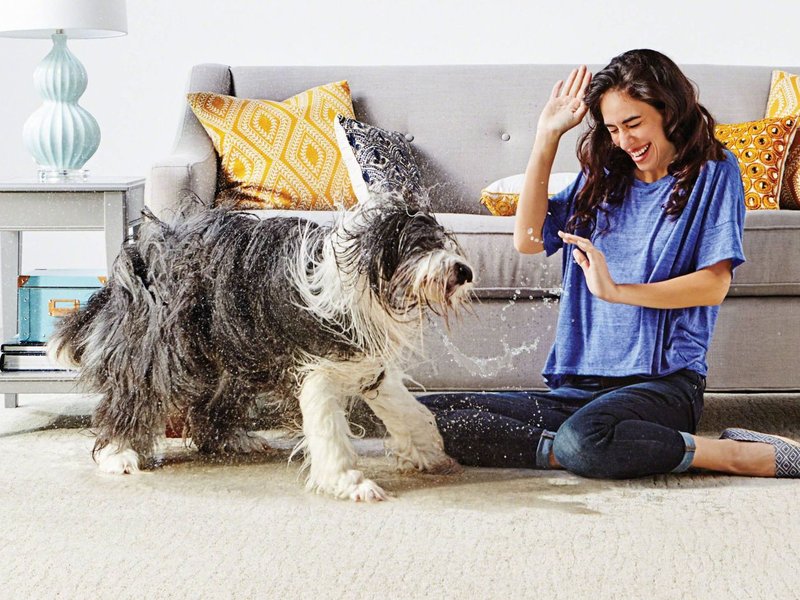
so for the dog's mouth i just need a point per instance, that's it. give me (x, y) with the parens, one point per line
(453, 289)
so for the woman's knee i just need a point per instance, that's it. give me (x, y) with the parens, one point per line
(437, 402)
(584, 450)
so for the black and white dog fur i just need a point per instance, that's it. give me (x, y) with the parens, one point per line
(203, 315)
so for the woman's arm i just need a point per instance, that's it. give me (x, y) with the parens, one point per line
(563, 111)
(532, 204)
(705, 287)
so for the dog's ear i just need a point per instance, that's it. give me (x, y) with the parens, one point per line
(412, 201)
(418, 200)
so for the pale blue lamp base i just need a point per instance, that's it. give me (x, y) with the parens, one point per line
(61, 135)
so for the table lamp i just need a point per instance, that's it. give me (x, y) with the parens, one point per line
(61, 135)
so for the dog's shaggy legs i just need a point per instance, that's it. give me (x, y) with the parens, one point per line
(218, 423)
(330, 456)
(414, 439)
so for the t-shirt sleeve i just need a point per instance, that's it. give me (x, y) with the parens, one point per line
(558, 211)
(723, 230)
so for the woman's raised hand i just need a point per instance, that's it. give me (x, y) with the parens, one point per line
(565, 108)
(593, 263)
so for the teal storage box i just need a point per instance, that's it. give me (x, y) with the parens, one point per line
(46, 295)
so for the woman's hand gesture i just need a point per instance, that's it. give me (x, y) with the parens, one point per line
(565, 108)
(593, 263)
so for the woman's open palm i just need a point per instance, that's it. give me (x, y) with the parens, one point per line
(565, 107)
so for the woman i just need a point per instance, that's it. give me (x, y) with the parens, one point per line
(651, 231)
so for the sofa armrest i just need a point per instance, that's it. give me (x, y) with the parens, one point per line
(191, 169)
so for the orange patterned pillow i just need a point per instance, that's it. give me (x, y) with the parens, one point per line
(784, 101)
(761, 148)
(279, 154)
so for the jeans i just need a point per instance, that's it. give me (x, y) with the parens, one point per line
(606, 427)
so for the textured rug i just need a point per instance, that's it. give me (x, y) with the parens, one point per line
(199, 529)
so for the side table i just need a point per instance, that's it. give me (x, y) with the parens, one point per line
(110, 204)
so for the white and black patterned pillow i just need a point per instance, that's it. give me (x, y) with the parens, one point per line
(377, 160)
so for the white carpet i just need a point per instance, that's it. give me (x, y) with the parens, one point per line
(197, 529)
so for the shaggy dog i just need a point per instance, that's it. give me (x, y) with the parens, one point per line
(205, 314)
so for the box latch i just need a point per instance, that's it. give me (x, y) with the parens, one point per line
(55, 310)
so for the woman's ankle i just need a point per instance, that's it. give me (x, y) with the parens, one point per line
(752, 458)
(737, 458)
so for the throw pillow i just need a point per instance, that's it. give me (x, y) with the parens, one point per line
(761, 148)
(784, 101)
(501, 196)
(790, 189)
(279, 154)
(784, 95)
(377, 160)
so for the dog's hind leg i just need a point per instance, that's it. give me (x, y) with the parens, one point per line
(414, 438)
(219, 420)
(117, 458)
(127, 426)
(330, 456)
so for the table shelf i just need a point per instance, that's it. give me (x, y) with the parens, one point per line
(111, 204)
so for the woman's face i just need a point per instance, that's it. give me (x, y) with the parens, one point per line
(638, 129)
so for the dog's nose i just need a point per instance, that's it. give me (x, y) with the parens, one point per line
(463, 273)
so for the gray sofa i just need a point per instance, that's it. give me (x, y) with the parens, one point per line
(470, 125)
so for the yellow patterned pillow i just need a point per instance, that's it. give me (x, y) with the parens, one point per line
(279, 154)
(761, 148)
(784, 101)
(784, 95)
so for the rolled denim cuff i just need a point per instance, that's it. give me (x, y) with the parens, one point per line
(544, 449)
(688, 455)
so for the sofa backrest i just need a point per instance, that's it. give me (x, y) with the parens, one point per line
(468, 124)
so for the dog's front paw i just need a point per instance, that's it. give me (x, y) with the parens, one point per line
(446, 466)
(428, 460)
(236, 442)
(242, 442)
(350, 484)
(117, 461)
(368, 491)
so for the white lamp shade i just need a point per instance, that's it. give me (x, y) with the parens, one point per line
(77, 18)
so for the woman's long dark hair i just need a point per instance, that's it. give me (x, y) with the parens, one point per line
(650, 77)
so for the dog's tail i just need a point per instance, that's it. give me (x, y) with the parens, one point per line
(74, 333)
(68, 341)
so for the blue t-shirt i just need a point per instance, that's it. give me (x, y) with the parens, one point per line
(644, 245)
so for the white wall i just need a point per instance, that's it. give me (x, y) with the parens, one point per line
(136, 82)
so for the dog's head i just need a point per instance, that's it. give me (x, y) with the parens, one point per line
(407, 257)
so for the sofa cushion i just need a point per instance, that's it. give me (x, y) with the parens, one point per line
(503, 273)
(377, 159)
(783, 101)
(279, 154)
(771, 243)
(761, 147)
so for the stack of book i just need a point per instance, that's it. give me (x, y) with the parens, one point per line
(26, 356)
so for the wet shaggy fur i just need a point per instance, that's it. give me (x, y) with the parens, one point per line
(203, 315)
